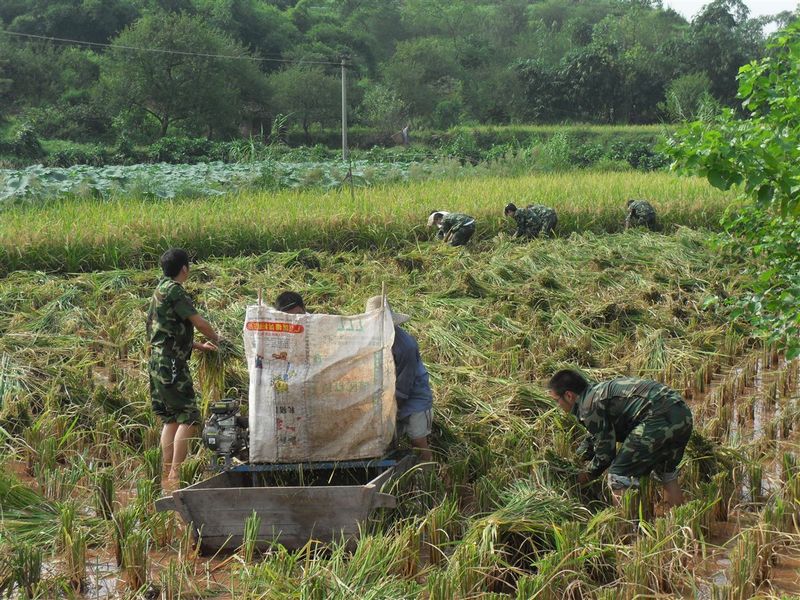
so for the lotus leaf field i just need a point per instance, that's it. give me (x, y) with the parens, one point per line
(501, 514)
(38, 184)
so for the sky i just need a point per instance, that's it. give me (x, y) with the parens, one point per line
(689, 8)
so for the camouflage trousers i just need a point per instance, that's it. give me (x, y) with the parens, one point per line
(655, 445)
(545, 222)
(641, 218)
(462, 235)
(171, 390)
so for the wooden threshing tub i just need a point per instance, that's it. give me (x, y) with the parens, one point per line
(296, 502)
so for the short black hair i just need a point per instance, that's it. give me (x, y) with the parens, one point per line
(287, 300)
(568, 380)
(173, 260)
(510, 207)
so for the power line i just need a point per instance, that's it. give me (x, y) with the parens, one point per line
(163, 51)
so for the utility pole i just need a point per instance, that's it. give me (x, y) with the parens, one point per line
(345, 150)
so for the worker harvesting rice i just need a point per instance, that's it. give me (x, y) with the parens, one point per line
(455, 229)
(532, 220)
(640, 214)
(412, 386)
(650, 420)
(170, 327)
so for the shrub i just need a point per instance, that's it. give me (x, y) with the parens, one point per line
(180, 150)
(25, 143)
(90, 154)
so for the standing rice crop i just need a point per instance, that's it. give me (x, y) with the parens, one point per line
(104, 494)
(252, 528)
(135, 563)
(25, 568)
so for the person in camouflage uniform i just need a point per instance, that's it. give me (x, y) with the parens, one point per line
(171, 320)
(532, 220)
(640, 214)
(650, 421)
(454, 228)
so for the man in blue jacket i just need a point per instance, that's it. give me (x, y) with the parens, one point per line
(412, 385)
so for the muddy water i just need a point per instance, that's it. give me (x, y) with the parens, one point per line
(753, 414)
(102, 579)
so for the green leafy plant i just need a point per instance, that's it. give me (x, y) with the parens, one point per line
(758, 154)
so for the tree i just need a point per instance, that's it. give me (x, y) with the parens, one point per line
(308, 94)
(87, 20)
(259, 26)
(382, 108)
(186, 84)
(424, 72)
(34, 71)
(5, 86)
(721, 39)
(593, 83)
(760, 153)
(686, 96)
(541, 95)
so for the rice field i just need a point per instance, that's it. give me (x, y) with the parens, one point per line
(501, 516)
(87, 234)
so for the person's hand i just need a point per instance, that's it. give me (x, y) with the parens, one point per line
(206, 347)
(583, 478)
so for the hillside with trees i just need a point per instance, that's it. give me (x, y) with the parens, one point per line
(225, 68)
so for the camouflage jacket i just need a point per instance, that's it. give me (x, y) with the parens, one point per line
(533, 219)
(168, 327)
(452, 222)
(640, 212)
(611, 409)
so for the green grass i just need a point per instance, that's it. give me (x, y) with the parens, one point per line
(85, 235)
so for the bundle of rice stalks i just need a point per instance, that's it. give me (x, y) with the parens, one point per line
(146, 494)
(373, 570)
(522, 525)
(561, 469)
(707, 458)
(191, 470)
(75, 554)
(59, 483)
(745, 575)
(125, 522)
(152, 466)
(177, 582)
(211, 373)
(26, 516)
(441, 527)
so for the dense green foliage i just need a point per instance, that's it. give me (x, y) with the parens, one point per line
(760, 152)
(433, 63)
(615, 146)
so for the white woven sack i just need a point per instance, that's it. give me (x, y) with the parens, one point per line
(321, 386)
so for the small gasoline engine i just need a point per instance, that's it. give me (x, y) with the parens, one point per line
(226, 433)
